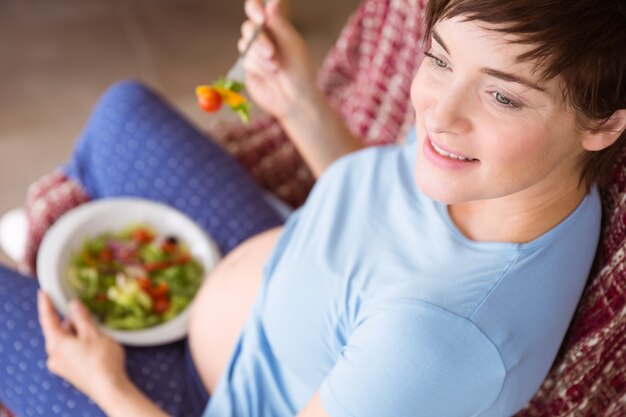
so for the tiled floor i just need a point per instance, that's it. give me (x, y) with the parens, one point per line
(56, 57)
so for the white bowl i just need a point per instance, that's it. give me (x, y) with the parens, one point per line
(68, 234)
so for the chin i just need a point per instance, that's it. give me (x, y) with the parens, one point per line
(443, 193)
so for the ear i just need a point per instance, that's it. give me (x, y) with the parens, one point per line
(606, 133)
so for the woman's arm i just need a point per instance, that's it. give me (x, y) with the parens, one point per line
(281, 80)
(91, 361)
(320, 135)
(128, 400)
(411, 358)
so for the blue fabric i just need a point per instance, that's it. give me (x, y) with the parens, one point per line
(133, 145)
(374, 297)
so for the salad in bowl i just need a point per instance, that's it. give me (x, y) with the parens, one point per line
(134, 278)
(136, 264)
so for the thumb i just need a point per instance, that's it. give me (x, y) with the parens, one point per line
(49, 319)
(81, 319)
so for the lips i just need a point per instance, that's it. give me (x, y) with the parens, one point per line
(445, 158)
(441, 151)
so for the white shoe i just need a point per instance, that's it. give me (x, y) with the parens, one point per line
(13, 234)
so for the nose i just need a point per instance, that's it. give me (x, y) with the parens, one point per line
(450, 110)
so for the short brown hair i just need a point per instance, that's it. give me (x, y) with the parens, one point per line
(582, 41)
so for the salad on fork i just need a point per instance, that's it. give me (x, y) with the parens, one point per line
(228, 90)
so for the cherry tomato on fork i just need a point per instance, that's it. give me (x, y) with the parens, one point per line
(224, 92)
(209, 99)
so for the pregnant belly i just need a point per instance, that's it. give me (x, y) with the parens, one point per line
(223, 303)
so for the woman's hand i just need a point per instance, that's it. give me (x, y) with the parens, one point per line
(281, 79)
(279, 74)
(79, 352)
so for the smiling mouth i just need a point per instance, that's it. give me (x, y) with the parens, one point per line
(449, 154)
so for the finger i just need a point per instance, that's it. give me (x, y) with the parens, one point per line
(263, 46)
(262, 41)
(68, 327)
(48, 319)
(254, 11)
(247, 29)
(261, 72)
(260, 65)
(268, 64)
(81, 319)
(278, 24)
(241, 45)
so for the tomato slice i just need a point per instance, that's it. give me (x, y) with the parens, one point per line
(160, 305)
(160, 290)
(169, 247)
(144, 284)
(155, 266)
(141, 235)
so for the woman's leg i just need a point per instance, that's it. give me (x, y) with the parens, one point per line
(29, 389)
(134, 144)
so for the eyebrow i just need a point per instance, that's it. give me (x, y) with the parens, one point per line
(439, 40)
(512, 78)
(494, 72)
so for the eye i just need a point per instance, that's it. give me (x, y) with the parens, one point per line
(502, 98)
(504, 101)
(436, 60)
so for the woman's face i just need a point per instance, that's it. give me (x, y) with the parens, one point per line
(487, 127)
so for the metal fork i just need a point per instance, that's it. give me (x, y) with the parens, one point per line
(237, 71)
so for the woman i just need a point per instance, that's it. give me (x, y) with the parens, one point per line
(453, 300)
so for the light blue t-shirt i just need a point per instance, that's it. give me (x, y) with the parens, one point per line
(373, 296)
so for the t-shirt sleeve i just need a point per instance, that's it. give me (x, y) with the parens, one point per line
(414, 359)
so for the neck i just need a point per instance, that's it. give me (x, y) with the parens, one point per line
(515, 218)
